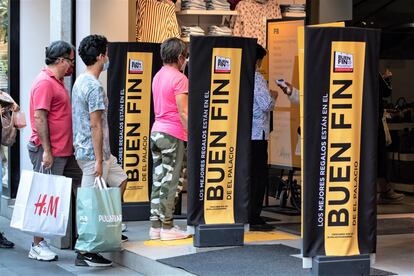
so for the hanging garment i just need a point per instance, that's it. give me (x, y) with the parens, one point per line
(251, 19)
(156, 21)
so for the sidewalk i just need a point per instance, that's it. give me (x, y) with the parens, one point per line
(394, 251)
(15, 261)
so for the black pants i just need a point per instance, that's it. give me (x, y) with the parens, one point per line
(259, 179)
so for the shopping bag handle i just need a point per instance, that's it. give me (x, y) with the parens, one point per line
(44, 170)
(100, 183)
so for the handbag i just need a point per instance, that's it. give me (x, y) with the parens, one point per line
(9, 131)
(98, 218)
(42, 204)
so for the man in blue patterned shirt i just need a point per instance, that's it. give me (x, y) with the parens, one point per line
(263, 102)
(90, 129)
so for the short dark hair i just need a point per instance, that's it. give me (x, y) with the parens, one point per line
(91, 47)
(260, 52)
(171, 49)
(58, 49)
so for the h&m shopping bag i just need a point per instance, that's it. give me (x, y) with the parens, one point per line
(98, 218)
(42, 204)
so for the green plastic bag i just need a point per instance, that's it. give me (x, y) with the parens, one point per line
(99, 219)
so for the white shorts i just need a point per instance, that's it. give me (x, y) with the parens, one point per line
(112, 172)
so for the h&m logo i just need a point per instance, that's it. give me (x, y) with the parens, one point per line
(46, 208)
(136, 66)
(343, 62)
(222, 65)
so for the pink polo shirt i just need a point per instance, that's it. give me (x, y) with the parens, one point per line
(50, 94)
(167, 83)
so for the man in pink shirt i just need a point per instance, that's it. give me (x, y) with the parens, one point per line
(50, 146)
(168, 134)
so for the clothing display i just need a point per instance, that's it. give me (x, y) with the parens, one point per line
(217, 5)
(297, 10)
(293, 8)
(205, 5)
(193, 5)
(251, 19)
(156, 21)
(191, 30)
(218, 30)
(186, 31)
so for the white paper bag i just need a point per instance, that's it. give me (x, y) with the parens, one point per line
(42, 204)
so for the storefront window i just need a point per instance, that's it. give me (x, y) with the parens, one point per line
(4, 23)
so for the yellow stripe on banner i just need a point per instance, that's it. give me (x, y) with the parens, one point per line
(137, 125)
(254, 236)
(222, 136)
(344, 144)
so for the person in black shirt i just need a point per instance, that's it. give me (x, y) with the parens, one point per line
(387, 194)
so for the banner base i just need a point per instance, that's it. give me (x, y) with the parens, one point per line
(209, 235)
(344, 265)
(133, 211)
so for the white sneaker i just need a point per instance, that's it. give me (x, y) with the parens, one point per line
(42, 252)
(154, 233)
(124, 227)
(174, 233)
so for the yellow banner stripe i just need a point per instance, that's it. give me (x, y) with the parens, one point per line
(137, 125)
(343, 151)
(222, 136)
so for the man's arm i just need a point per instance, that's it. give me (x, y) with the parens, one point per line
(97, 139)
(182, 104)
(42, 128)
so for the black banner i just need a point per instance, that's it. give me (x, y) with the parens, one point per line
(130, 112)
(221, 75)
(340, 125)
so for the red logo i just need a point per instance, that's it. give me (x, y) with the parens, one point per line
(50, 208)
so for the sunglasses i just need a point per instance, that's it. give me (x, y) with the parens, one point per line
(71, 60)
